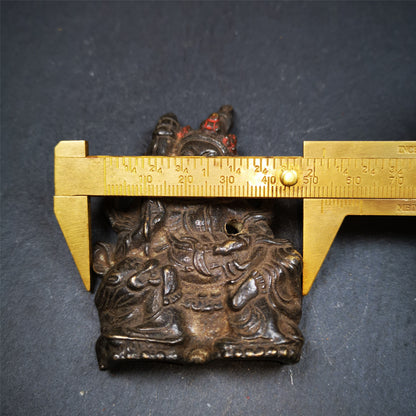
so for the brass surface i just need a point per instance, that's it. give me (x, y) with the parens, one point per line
(235, 177)
(73, 215)
(323, 218)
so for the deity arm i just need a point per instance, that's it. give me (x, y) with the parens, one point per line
(164, 136)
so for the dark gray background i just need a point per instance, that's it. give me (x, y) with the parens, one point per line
(105, 72)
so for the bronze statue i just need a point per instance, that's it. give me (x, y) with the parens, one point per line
(196, 280)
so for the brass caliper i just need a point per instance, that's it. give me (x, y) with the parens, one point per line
(334, 179)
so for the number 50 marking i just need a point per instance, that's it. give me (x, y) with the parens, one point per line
(310, 177)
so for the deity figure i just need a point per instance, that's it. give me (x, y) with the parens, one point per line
(196, 280)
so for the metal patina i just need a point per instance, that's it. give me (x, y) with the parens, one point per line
(196, 280)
